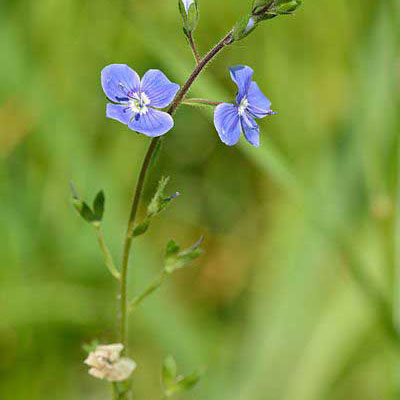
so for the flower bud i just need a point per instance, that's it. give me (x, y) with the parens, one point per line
(287, 7)
(260, 6)
(244, 27)
(189, 10)
(268, 9)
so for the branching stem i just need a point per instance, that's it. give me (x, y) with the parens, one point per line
(147, 292)
(123, 326)
(194, 48)
(106, 253)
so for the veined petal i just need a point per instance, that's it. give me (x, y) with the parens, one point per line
(119, 112)
(158, 88)
(242, 76)
(119, 80)
(227, 123)
(259, 105)
(251, 130)
(153, 123)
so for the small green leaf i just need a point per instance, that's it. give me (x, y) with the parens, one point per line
(89, 347)
(176, 260)
(141, 228)
(159, 200)
(172, 382)
(87, 213)
(93, 217)
(169, 373)
(188, 382)
(261, 5)
(98, 206)
(288, 7)
(172, 248)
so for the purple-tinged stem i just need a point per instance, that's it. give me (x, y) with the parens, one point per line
(123, 328)
(194, 48)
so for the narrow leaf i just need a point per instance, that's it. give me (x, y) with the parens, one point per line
(98, 206)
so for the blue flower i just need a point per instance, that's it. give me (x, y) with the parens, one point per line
(137, 99)
(231, 119)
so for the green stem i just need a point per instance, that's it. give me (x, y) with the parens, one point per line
(147, 292)
(196, 102)
(105, 251)
(194, 48)
(123, 326)
(396, 305)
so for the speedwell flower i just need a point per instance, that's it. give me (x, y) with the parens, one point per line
(105, 363)
(231, 119)
(137, 99)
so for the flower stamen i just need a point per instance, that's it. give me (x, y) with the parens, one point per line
(138, 103)
(243, 106)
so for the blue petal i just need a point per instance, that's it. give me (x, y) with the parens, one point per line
(250, 24)
(158, 88)
(242, 76)
(259, 105)
(227, 123)
(119, 81)
(153, 123)
(251, 130)
(119, 112)
(187, 4)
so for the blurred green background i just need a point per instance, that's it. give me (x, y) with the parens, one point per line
(298, 294)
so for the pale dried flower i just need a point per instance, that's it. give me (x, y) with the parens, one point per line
(106, 363)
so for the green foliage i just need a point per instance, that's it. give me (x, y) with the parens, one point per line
(176, 259)
(267, 9)
(261, 5)
(173, 383)
(92, 215)
(98, 206)
(89, 347)
(273, 310)
(158, 203)
(141, 228)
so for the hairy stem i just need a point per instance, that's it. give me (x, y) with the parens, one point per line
(194, 48)
(195, 102)
(123, 326)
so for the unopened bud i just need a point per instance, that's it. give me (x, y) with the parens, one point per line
(189, 10)
(268, 9)
(287, 7)
(260, 6)
(244, 27)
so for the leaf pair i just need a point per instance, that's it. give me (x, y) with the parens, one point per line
(92, 215)
(174, 383)
(177, 259)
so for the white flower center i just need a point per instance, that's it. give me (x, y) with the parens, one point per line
(243, 105)
(139, 102)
